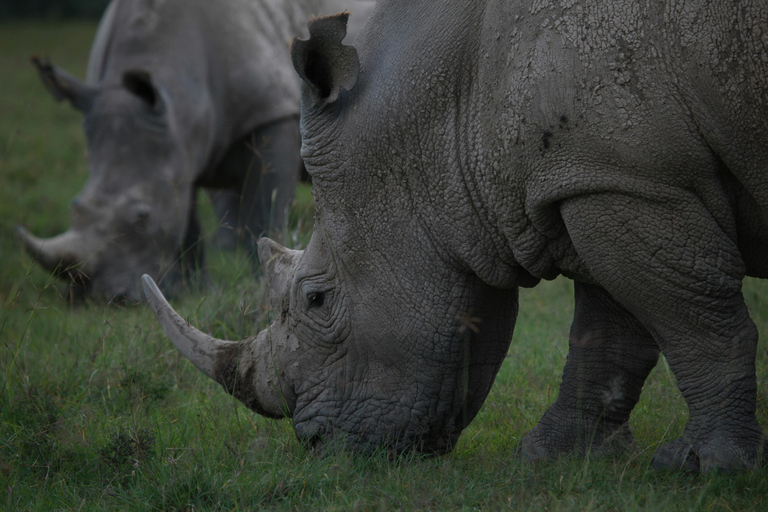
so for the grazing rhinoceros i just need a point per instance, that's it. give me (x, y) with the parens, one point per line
(459, 153)
(178, 95)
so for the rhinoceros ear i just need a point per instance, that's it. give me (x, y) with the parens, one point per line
(139, 82)
(64, 86)
(322, 61)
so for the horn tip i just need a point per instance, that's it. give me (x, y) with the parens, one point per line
(151, 291)
(21, 231)
(31, 244)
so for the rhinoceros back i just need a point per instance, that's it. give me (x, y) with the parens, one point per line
(234, 54)
(100, 45)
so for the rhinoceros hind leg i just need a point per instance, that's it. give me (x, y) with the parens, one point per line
(188, 268)
(722, 452)
(609, 358)
(270, 183)
(226, 207)
(672, 265)
(192, 259)
(535, 447)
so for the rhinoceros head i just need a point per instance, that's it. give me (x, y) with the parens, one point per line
(380, 338)
(130, 216)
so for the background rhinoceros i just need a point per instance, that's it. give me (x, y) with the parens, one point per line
(179, 94)
(462, 152)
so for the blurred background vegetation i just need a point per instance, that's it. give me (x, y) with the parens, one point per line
(12, 10)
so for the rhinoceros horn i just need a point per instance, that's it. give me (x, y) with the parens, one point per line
(248, 369)
(64, 86)
(58, 254)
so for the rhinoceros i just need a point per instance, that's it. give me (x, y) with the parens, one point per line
(179, 94)
(460, 153)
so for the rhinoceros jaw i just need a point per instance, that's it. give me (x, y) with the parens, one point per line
(200, 348)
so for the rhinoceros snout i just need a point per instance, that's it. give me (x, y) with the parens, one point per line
(250, 370)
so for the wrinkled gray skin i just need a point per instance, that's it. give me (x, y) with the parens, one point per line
(178, 95)
(481, 148)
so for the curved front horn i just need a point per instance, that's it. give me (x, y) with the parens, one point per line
(200, 348)
(250, 370)
(53, 254)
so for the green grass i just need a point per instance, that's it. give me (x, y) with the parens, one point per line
(99, 412)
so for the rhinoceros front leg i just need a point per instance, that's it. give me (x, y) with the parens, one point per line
(226, 207)
(671, 265)
(270, 181)
(189, 264)
(610, 356)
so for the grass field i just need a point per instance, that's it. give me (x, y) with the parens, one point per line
(99, 412)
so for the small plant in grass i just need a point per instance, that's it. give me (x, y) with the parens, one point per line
(128, 449)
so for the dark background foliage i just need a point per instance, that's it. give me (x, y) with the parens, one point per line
(11, 10)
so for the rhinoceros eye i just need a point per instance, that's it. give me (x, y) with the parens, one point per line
(140, 216)
(315, 299)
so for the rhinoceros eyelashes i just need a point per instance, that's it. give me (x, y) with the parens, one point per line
(141, 218)
(315, 299)
(318, 302)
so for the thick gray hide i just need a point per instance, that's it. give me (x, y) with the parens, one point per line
(484, 146)
(179, 94)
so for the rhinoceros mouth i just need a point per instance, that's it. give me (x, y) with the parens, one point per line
(324, 434)
(366, 444)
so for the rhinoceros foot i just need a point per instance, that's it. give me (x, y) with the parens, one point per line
(548, 441)
(730, 451)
